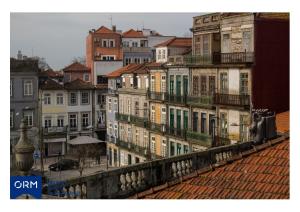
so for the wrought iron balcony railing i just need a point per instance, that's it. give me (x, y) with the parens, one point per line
(139, 121)
(54, 130)
(160, 96)
(235, 57)
(231, 99)
(200, 100)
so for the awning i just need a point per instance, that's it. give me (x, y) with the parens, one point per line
(84, 140)
(55, 140)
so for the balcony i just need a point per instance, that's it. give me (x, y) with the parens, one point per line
(181, 133)
(138, 121)
(133, 147)
(161, 128)
(160, 96)
(176, 98)
(73, 128)
(231, 99)
(200, 59)
(200, 100)
(54, 130)
(234, 57)
(199, 138)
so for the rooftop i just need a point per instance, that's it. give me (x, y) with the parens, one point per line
(123, 70)
(133, 34)
(51, 84)
(176, 42)
(50, 73)
(76, 66)
(264, 174)
(78, 84)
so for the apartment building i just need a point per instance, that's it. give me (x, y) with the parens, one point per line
(75, 71)
(54, 117)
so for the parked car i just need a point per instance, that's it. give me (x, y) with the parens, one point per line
(64, 164)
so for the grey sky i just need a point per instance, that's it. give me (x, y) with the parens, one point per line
(59, 37)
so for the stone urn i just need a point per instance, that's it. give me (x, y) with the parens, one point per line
(24, 151)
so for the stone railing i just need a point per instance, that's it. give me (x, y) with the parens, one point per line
(127, 181)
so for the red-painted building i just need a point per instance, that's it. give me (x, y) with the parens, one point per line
(75, 71)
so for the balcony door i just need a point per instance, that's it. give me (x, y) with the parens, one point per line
(195, 121)
(178, 85)
(203, 122)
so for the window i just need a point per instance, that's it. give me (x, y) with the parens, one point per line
(28, 88)
(84, 98)
(172, 149)
(163, 54)
(203, 122)
(203, 85)
(205, 45)
(243, 128)
(116, 130)
(47, 99)
(224, 126)
(224, 83)
(125, 44)
(136, 108)
(127, 61)
(243, 83)
(152, 83)
(164, 148)
(145, 110)
(131, 81)
(163, 83)
(128, 106)
(85, 120)
(111, 43)
(247, 41)
(178, 119)
(137, 60)
(11, 119)
(73, 120)
(28, 116)
(47, 122)
(134, 44)
(145, 144)
(104, 43)
(110, 129)
(226, 43)
(196, 85)
(211, 82)
(153, 146)
(60, 121)
(73, 98)
(11, 88)
(185, 149)
(185, 119)
(59, 99)
(153, 114)
(116, 105)
(137, 138)
(163, 115)
(171, 84)
(109, 104)
(178, 152)
(86, 77)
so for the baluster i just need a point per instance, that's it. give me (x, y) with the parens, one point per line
(224, 156)
(179, 169)
(187, 165)
(84, 191)
(183, 167)
(72, 192)
(77, 191)
(123, 182)
(67, 192)
(174, 170)
(133, 178)
(139, 179)
(191, 165)
(64, 193)
(217, 158)
(129, 181)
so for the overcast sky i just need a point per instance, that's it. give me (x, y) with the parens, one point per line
(59, 37)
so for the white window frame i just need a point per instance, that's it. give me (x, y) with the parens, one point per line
(85, 120)
(153, 145)
(59, 98)
(28, 87)
(86, 77)
(88, 98)
(30, 114)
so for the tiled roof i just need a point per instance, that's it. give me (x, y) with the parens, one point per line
(76, 66)
(261, 175)
(176, 42)
(154, 65)
(133, 34)
(126, 69)
(78, 84)
(51, 84)
(103, 29)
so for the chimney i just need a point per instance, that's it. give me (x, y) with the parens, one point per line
(114, 28)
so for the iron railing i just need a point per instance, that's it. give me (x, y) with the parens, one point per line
(160, 96)
(231, 99)
(138, 121)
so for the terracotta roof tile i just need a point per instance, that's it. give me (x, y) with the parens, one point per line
(78, 84)
(123, 70)
(76, 66)
(261, 175)
(51, 84)
(103, 29)
(50, 73)
(176, 42)
(133, 34)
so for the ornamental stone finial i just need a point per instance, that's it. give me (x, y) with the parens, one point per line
(24, 151)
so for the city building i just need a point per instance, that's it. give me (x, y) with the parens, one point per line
(24, 87)
(80, 108)
(103, 52)
(135, 47)
(75, 71)
(171, 47)
(54, 117)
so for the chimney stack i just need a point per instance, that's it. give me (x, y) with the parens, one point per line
(114, 28)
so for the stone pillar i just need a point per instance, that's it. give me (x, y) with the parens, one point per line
(24, 151)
